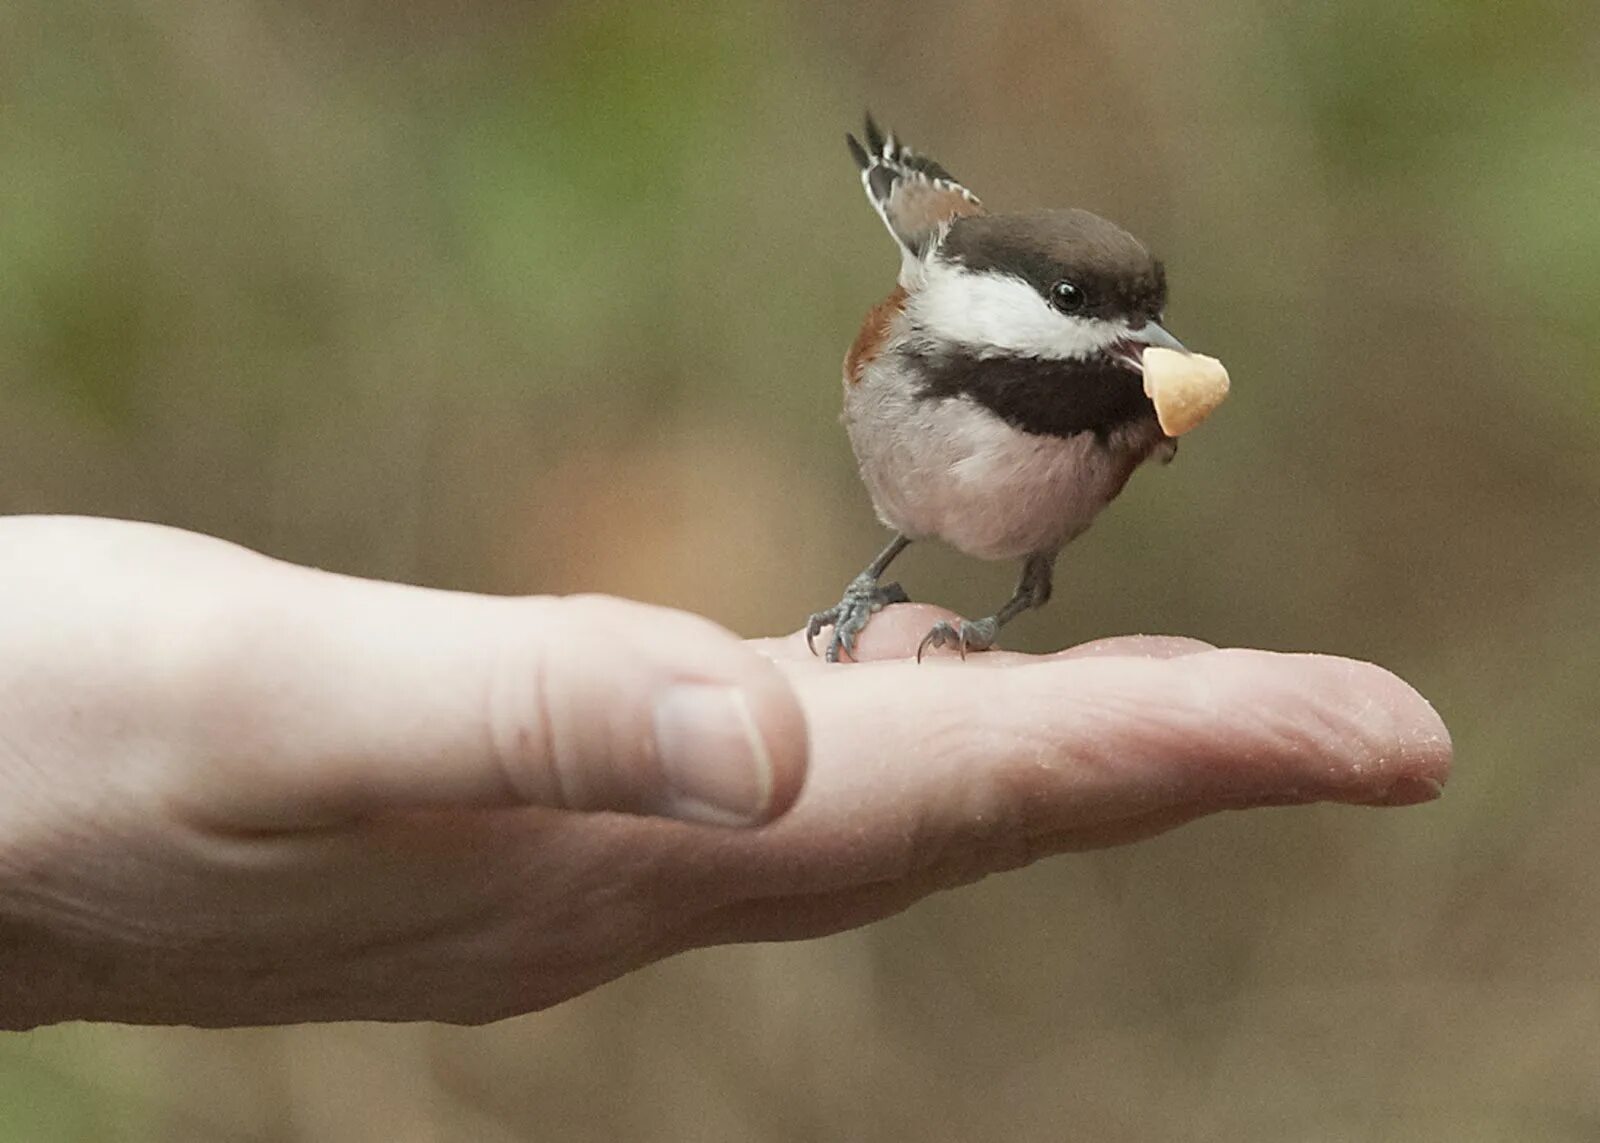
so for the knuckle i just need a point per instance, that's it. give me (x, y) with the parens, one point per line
(529, 740)
(565, 722)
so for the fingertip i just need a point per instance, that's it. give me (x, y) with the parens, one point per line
(1410, 792)
(1390, 711)
(898, 630)
(1383, 742)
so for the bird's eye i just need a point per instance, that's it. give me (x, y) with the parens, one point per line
(1068, 297)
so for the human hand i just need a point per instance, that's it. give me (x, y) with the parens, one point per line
(237, 791)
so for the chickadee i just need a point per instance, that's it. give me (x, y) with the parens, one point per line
(996, 398)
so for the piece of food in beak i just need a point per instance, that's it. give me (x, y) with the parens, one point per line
(1184, 387)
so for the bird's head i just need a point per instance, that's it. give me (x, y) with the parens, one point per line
(1055, 285)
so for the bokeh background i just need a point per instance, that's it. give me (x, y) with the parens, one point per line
(551, 296)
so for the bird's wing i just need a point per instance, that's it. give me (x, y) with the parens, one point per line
(915, 196)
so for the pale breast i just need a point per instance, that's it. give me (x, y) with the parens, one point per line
(949, 468)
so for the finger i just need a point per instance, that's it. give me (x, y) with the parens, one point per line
(1074, 744)
(348, 697)
(936, 774)
(806, 914)
(924, 777)
(897, 631)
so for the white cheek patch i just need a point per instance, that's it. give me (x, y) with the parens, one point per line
(996, 313)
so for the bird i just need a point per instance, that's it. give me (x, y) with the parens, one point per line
(995, 399)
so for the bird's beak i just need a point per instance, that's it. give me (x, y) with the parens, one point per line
(1154, 333)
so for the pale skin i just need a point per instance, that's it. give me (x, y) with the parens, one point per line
(238, 791)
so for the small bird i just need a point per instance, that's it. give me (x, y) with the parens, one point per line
(996, 399)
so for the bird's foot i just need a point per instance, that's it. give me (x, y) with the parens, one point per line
(962, 634)
(847, 617)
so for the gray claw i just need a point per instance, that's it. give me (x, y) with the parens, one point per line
(816, 623)
(964, 635)
(850, 615)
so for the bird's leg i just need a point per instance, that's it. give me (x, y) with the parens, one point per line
(1033, 590)
(863, 597)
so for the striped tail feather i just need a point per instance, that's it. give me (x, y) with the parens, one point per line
(914, 195)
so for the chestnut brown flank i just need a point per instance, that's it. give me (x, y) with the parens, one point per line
(874, 332)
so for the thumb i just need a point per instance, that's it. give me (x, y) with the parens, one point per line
(347, 697)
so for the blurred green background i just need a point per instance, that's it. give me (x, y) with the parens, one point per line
(552, 296)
